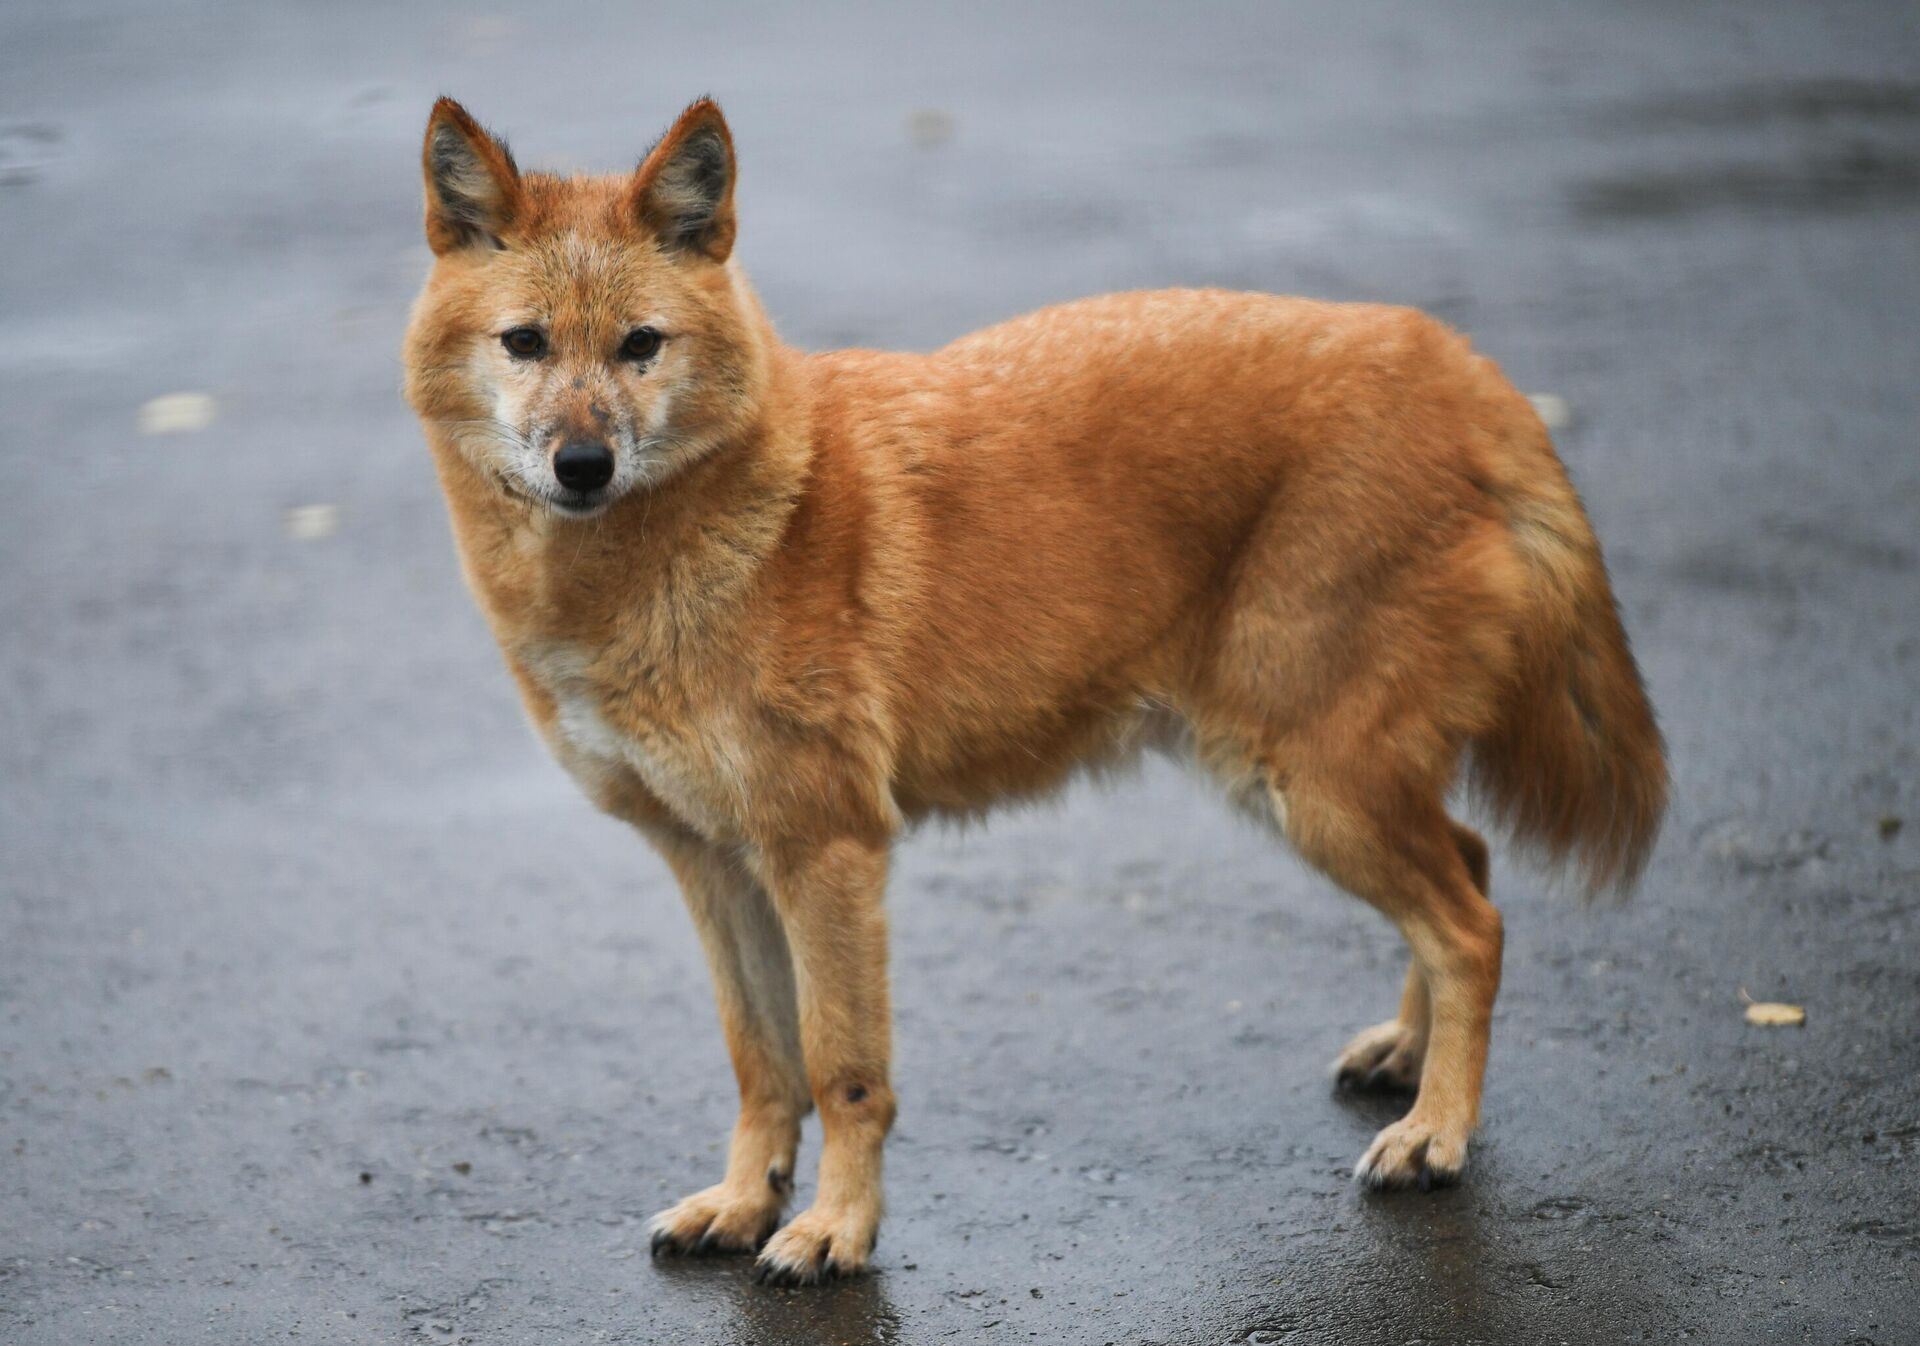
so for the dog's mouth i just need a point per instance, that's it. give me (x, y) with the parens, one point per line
(567, 504)
(579, 504)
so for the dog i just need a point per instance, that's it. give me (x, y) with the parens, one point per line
(773, 608)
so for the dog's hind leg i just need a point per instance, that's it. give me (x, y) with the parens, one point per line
(1389, 1056)
(1392, 845)
(753, 985)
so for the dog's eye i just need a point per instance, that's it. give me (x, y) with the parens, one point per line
(642, 343)
(525, 343)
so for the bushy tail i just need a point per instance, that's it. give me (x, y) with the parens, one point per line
(1575, 766)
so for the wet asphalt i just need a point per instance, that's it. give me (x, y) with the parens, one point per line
(328, 1011)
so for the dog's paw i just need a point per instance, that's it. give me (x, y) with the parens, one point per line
(1385, 1057)
(818, 1245)
(718, 1220)
(1413, 1153)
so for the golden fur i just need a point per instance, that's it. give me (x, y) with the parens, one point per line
(1324, 548)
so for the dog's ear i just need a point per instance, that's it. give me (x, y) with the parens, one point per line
(683, 191)
(473, 188)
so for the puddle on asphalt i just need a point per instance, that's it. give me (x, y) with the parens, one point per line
(1856, 151)
(1559, 1208)
(1861, 177)
(1807, 101)
(27, 150)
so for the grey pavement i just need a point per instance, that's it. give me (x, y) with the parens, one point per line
(328, 1011)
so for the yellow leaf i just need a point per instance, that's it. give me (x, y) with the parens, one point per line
(311, 523)
(1775, 1015)
(177, 412)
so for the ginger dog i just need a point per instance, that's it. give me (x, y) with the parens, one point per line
(772, 608)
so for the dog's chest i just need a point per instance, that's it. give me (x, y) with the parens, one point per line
(605, 737)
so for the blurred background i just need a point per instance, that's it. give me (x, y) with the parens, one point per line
(328, 1009)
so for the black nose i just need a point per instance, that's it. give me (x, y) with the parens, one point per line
(583, 467)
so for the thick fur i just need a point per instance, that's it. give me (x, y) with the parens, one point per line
(1326, 550)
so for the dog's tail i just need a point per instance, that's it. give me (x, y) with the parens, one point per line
(1574, 766)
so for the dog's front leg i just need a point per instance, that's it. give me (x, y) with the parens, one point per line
(830, 899)
(753, 987)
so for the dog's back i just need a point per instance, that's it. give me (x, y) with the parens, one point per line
(1230, 504)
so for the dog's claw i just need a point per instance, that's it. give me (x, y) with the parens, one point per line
(1381, 1059)
(713, 1222)
(1410, 1154)
(768, 1273)
(815, 1249)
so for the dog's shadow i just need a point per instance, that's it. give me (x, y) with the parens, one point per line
(1379, 1107)
(855, 1309)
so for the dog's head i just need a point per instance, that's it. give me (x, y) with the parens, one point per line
(581, 338)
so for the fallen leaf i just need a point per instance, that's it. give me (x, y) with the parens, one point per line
(1772, 1014)
(1553, 409)
(172, 413)
(310, 523)
(929, 127)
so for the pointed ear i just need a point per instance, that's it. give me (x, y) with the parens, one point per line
(683, 192)
(473, 188)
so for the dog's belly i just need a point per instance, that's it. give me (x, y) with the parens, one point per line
(700, 779)
(1022, 762)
